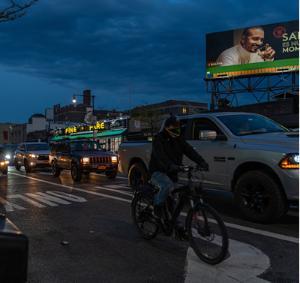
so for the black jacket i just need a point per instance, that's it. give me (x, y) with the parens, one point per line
(167, 154)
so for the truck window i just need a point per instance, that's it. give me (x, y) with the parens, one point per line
(204, 124)
(21, 147)
(183, 127)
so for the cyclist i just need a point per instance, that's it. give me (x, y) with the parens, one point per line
(168, 148)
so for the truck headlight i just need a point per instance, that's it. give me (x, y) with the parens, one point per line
(7, 156)
(114, 159)
(31, 155)
(85, 160)
(290, 161)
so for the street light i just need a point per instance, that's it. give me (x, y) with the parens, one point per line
(74, 100)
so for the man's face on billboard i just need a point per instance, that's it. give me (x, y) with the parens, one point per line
(253, 40)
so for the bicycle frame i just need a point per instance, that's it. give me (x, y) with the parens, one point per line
(186, 195)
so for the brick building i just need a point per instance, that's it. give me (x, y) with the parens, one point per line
(77, 112)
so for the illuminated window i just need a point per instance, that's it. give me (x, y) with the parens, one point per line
(184, 110)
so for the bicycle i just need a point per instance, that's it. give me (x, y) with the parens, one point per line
(200, 224)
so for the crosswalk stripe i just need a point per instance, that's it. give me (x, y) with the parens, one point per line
(116, 191)
(118, 186)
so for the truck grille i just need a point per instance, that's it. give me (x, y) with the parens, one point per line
(100, 159)
(43, 157)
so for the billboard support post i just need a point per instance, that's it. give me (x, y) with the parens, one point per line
(262, 87)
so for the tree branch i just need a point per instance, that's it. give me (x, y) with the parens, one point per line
(15, 10)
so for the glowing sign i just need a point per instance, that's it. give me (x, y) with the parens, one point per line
(76, 129)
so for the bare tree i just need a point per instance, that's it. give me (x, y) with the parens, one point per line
(15, 9)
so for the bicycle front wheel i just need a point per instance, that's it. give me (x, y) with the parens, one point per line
(142, 215)
(207, 234)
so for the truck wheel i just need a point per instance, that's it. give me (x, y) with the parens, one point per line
(137, 175)
(55, 170)
(4, 172)
(28, 169)
(17, 165)
(76, 173)
(111, 174)
(259, 197)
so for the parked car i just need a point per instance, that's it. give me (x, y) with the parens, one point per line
(32, 155)
(3, 162)
(9, 151)
(248, 154)
(82, 157)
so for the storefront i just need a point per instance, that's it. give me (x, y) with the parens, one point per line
(109, 139)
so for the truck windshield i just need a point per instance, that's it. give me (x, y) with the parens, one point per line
(85, 146)
(37, 146)
(241, 125)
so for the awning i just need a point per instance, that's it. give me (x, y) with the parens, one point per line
(90, 135)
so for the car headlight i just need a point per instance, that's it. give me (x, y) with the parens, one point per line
(290, 161)
(7, 156)
(31, 155)
(114, 159)
(85, 160)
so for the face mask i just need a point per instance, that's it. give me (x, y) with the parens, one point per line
(173, 132)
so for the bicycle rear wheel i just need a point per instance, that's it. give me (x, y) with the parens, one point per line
(142, 215)
(207, 234)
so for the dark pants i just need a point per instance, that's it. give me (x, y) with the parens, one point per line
(164, 184)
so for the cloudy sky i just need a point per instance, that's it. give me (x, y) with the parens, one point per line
(128, 52)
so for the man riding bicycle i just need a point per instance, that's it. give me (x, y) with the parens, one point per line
(168, 148)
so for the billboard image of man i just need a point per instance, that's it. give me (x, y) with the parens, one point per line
(251, 49)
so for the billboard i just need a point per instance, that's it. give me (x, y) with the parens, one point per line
(253, 50)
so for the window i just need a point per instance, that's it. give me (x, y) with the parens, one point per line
(204, 124)
(183, 127)
(37, 146)
(249, 124)
(21, 147)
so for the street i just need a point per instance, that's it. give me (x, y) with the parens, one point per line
(83, 232)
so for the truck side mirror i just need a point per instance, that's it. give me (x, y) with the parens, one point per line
(207, 135)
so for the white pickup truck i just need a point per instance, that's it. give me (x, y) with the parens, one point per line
(248, 154)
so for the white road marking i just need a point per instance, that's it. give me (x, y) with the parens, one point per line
(66, 196)
(231, 225)
(244, 264)
(26, 199)
(49, 200)
(10, 206)
(116, 191)
(118, 186)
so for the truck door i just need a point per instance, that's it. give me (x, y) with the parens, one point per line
(213, 151)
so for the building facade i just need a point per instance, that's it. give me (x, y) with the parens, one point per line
(77, 112)
(12, 133)
(284, 110)
(149, 118)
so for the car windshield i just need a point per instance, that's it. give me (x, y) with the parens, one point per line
(10, 147)
(37, 146)
(85, 146)
(242, 125)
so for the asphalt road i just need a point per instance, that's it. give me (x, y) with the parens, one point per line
(82, 232)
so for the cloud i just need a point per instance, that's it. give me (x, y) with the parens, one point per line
(156, 49)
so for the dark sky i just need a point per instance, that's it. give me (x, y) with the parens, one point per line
(128, 52)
